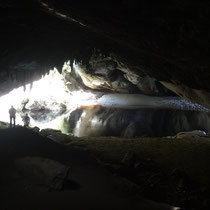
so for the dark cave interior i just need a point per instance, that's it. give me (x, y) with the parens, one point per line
(118, 97)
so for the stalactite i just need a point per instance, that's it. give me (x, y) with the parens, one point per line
(71, 64)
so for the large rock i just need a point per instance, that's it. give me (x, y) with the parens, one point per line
(104, 82)
(45, 111)
(43, 171)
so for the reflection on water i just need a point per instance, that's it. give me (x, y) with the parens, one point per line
(101, 121)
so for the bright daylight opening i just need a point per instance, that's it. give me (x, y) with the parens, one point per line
(47, 101)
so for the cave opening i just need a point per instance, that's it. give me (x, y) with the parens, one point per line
(46, 101)
(64, 101)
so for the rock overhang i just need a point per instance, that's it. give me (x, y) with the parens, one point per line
(166, 41)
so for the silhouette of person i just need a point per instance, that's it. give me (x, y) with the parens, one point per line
(26, 120)
(12, 115)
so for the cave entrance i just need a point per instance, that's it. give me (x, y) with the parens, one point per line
(46, 101)
(62, 101)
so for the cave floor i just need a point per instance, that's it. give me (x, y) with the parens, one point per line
(107, 172)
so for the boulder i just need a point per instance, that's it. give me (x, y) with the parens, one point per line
(43, 171)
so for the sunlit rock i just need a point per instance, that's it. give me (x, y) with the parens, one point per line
(116, 82)
(71, 77)
(112, 70)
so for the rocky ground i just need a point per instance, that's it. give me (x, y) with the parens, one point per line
(50, 170)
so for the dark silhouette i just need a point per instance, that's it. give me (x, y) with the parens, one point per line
(12, 115)
(26, 120)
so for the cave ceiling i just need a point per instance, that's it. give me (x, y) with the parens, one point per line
(166, 40)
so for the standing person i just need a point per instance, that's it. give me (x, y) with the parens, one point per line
(12, 115)
(26, 120)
